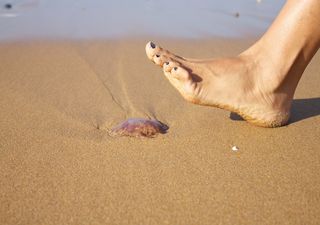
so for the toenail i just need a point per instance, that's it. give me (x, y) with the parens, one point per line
(152, 45)
(175, 68)
(157, 56)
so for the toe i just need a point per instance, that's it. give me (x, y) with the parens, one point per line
(167, 66)
(159, 59)
(173, 71)
(151, 50)
(181, 79)
(180, 73)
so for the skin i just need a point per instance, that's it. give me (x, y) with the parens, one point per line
(264, 76)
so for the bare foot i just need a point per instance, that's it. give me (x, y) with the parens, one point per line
(238, 84)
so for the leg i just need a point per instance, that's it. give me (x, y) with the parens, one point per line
(264, 77)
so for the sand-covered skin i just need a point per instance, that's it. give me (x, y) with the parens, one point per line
(58, 165)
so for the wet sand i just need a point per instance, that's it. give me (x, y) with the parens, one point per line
(58, 165)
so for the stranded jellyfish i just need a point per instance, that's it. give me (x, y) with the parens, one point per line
(137, 127)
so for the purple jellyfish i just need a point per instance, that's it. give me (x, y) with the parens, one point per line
(137, 127)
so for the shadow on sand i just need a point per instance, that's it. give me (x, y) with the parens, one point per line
(301, 109)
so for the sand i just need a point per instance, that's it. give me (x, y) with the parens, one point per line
(58, 165)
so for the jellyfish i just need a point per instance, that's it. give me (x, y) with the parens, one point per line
(138, 127)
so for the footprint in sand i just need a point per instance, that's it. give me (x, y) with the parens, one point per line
(137, 127)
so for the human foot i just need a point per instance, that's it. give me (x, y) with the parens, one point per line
(236, 84)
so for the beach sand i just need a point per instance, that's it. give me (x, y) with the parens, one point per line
(58, 165)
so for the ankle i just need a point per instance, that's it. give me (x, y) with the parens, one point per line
(270, 79)
(271, 67)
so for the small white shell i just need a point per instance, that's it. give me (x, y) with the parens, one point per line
(235, 148)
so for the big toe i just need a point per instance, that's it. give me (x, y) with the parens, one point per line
(159, 55)
(152, 49)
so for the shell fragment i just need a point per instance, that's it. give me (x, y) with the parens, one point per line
(235, 148)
